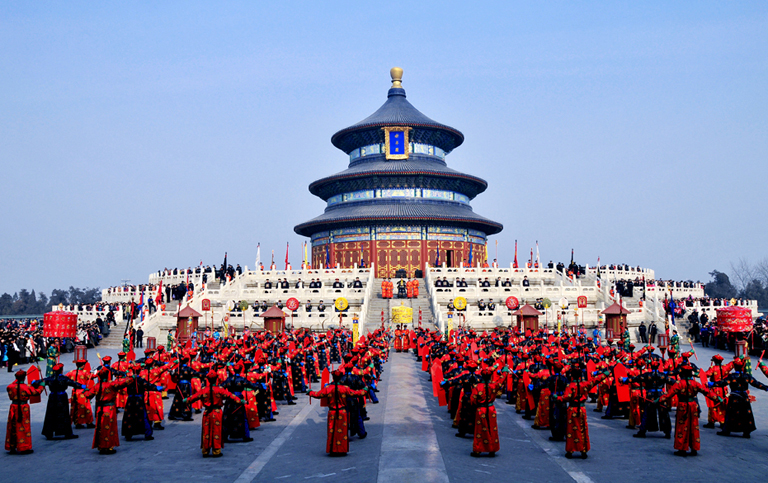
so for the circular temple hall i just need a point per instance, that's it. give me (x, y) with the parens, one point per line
(398, 205)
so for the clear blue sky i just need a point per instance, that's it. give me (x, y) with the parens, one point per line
(140, 136)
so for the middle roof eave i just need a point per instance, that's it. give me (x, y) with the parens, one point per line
(399, 168)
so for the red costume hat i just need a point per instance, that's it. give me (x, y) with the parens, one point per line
(20, 375)
(717, 358)
(686, 370)
(57, 367)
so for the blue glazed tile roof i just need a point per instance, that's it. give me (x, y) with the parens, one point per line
(422, 212)
(397, 111)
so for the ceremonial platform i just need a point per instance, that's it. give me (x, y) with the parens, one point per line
(226, 296)
(558, 296)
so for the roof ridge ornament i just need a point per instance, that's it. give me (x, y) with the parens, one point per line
(396, 73)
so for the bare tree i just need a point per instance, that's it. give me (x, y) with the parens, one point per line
(761, 271)
(743, 273)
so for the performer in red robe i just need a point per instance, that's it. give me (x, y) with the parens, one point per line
(197, 383)
(576, 394)
(716, 372)
(122, 365)
(250, 397)
(79, 405)
(486, 428)
(687, 416)
(398, 340)
(18, 434)
(153, 399)
(336, 394)
(635, 398)
(213, 399)
(541, 420)
(106, 437)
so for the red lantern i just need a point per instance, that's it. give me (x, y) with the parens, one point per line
(81, 353)
(741, 348)
(663, 341)
(60, 324)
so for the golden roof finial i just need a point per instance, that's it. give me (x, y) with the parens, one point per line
(397, 76)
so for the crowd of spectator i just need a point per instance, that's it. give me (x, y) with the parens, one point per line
(153, 296)
(672, 283)
(22, 340)
(705, 301)
(207, 272)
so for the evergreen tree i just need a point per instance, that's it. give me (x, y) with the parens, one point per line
(720, 287)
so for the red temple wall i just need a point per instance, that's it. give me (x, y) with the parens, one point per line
(392, 255)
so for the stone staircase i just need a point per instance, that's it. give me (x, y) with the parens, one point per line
(377, 304)
(115, 337)
(423, 302)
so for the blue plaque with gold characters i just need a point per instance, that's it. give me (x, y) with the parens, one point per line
(396, 142)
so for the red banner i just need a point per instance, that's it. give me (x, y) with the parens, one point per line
(512, 303)
(591, 367)
(703, 377)
(33, 374)
(622, 389)
(528, 393)
(292, 304)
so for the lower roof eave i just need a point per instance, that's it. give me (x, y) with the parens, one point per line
(307, 229)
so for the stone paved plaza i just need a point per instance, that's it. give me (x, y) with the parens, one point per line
(409, 439)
